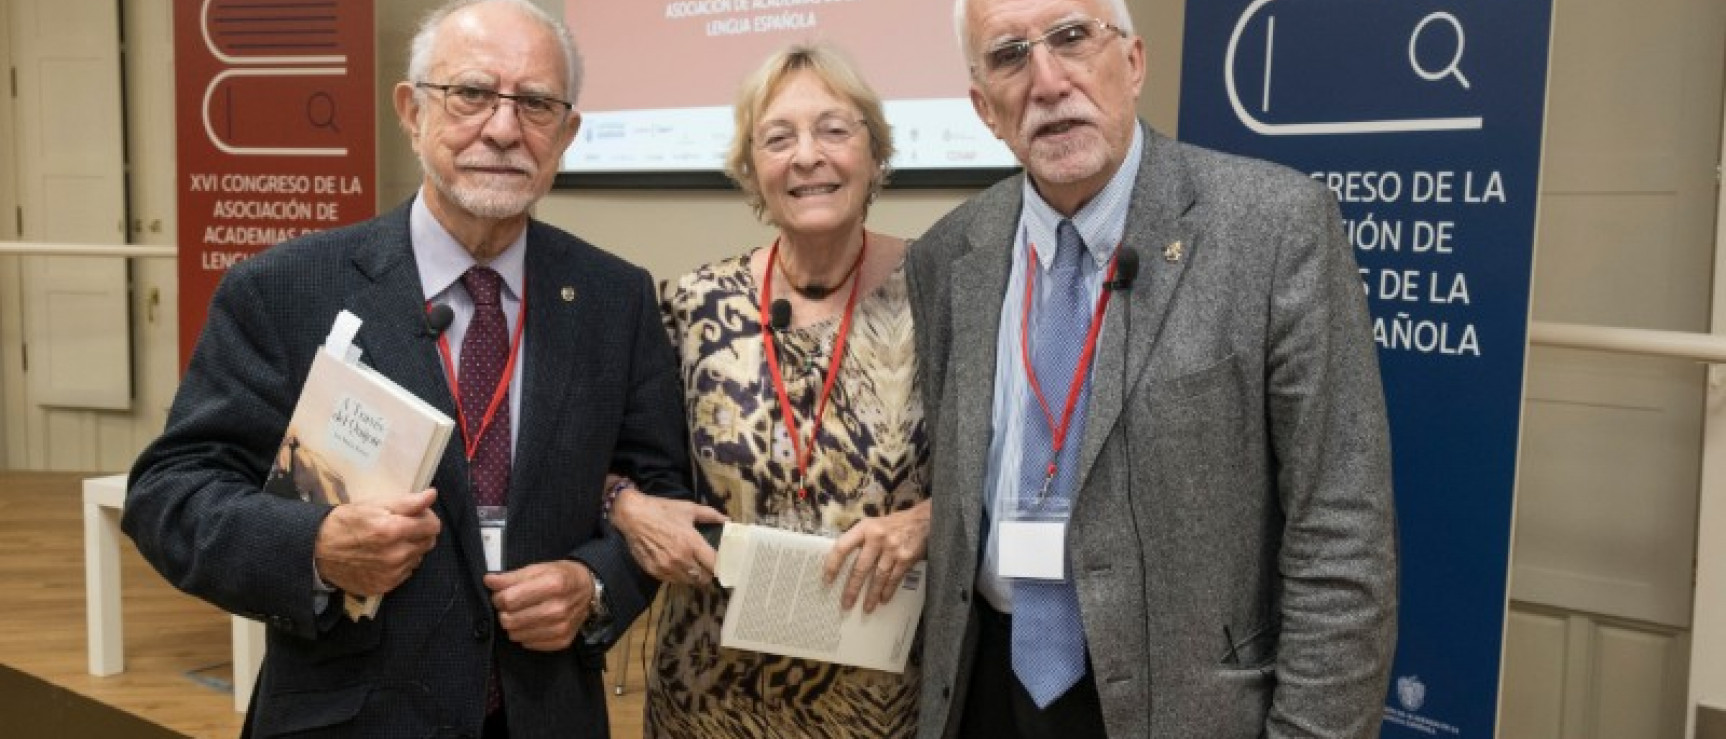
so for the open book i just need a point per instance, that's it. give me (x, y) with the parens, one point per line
(780, 605)
(356, 436)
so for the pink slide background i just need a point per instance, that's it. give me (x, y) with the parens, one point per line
(638, 58)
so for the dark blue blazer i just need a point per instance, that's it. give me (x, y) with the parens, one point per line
(600, 392)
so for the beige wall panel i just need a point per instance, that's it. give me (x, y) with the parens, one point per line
(1628, 137)
(115, 448)
(68, 441)
(8, 157)
(71, 186)
(155, 333)
(1161, 23)
(398, 170)
(17, 422)
(1600, 245)
(64, 26)
(1603, 491)
(79, 330)
(11, 327)
(150, 133)
(1633, 679)
(1610, 447)
(69, 216)
(74, 101)
(155, 218)
(1533, 701)
(1705, 706)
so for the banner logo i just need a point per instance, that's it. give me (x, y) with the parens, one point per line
(1411, 691)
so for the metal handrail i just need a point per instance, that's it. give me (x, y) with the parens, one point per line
(38, 249)
(1648, 342)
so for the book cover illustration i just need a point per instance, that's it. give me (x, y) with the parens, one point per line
(356, 436)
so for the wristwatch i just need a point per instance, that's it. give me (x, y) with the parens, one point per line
(598, 613)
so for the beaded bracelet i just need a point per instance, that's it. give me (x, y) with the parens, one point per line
(611, 493)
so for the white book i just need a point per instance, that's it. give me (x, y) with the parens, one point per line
(356, 436)
(779, 604)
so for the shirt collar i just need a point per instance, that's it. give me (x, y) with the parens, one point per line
(442, 260)
(1101, 222)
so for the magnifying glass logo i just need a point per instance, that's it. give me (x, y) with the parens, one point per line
(321, 111)
(1449, 69)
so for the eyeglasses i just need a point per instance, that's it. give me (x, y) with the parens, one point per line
(830, 132)
(1072, 41)
(465, 102)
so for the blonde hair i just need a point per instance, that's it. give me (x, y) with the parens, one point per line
(840, 76)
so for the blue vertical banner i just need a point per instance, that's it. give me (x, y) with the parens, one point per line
(1425, 120)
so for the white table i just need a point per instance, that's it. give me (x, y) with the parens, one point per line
(103, 498)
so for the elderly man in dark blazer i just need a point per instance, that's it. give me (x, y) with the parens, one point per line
(458, 648)
(1204, 545)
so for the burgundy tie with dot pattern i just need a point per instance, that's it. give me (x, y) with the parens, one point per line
(484, 353)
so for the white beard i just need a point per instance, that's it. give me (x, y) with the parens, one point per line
(484, 199)
(1068, 163)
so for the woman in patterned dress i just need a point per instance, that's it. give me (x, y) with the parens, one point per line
(810, 154)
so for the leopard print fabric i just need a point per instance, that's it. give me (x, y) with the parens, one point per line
(871, 458)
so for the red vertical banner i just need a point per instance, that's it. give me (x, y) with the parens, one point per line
(277, 135)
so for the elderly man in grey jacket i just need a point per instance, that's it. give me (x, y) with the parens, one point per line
(1161, 457)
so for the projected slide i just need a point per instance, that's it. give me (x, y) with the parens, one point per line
(662, 75)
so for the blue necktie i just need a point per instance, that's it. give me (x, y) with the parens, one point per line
(1048, 636)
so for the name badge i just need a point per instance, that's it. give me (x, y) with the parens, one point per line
(1033, 550)
(492, 519)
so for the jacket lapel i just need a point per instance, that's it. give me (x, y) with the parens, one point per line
(554, 326)
(1162, 194)
(396, 344)
(983, 271)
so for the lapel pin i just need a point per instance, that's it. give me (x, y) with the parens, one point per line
(568, 294)
(1172, 252)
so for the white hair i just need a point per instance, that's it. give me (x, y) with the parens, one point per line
(420, 51)
(962, 23)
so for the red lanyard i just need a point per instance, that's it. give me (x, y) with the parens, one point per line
(471, 443)
(786, 412)
(1059, 432)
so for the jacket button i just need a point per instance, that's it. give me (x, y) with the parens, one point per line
(946, 692)
(964, 595)
(481, 630)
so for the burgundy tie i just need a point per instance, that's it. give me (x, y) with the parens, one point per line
(484, 352)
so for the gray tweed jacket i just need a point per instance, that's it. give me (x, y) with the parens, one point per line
(1234, 536)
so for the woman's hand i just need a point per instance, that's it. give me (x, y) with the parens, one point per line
(662, 535)
(886, 546)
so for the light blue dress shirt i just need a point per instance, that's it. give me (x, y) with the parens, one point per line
(1101, 222)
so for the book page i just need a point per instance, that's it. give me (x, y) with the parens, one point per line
(779, 604)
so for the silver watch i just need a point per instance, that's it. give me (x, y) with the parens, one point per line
(598, 613)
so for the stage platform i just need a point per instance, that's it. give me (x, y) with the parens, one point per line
(178, 671)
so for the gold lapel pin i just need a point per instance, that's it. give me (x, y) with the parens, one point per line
(1172, 252)
(568, 294)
